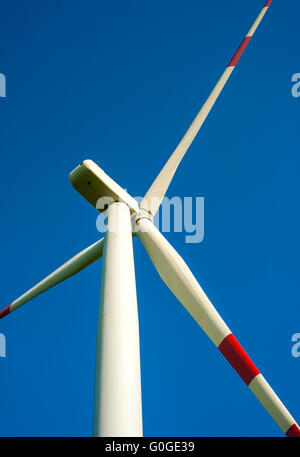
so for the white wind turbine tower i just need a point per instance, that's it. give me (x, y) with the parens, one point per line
(118, 410)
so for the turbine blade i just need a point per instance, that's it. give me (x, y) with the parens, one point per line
(68, 269)
(158, 189)
(180, 280)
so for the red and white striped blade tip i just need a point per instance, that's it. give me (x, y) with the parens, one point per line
(5, 311)
(293, 431)
(243, 365)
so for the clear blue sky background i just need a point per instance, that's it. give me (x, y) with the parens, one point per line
(119, 82)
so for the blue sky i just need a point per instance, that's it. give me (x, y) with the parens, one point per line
(119, 82)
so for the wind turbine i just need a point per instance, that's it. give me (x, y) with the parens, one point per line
(117, 405)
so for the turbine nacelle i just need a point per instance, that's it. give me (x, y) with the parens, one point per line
(98, 188)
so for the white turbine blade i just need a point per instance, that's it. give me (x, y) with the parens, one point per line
(68, 269)
(180, 280)
(158, 189)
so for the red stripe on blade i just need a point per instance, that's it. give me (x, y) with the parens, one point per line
(293, 431)
(239, 52)
(268, 3)
(238, 358)
(5, 311)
